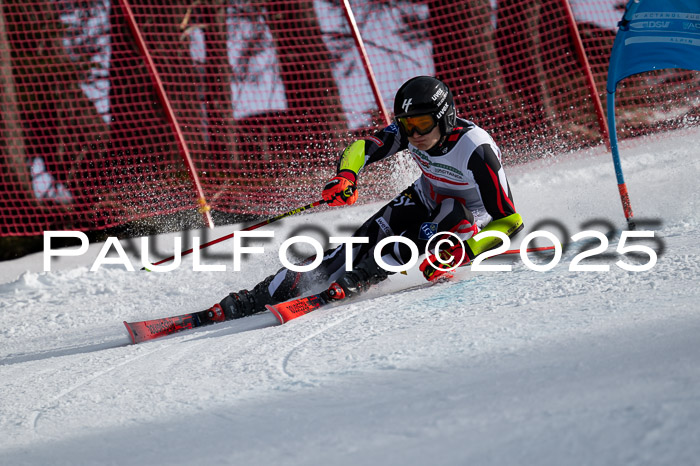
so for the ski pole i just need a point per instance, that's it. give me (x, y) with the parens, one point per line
(257, 225)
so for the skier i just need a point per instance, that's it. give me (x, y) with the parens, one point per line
(462, 190)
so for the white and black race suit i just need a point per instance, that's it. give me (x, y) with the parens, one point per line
(462, 188)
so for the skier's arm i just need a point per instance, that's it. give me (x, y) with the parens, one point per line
(509, 225)
(380, 145)
(495, 193)
(342, 189)
(491, 180)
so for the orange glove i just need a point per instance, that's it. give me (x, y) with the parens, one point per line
(341, 190)
(437, 267)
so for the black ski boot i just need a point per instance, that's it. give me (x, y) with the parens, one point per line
(245, 303)
(237, 305)
(361, 277)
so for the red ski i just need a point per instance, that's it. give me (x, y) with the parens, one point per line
(298, 307)
(150, 329)
(284, 312)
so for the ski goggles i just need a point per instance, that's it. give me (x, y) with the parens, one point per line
(422, 124)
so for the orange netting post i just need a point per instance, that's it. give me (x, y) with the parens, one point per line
(347, 9)
(586, 68)
(203, 206)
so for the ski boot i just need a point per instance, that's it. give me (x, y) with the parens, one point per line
(363, 275)
(237, 305)
(245, 303)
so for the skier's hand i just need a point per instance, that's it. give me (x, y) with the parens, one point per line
(341, 189)
(439, 266)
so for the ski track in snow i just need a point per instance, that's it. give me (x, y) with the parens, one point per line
(516, 367)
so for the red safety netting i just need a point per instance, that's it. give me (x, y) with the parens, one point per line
(258, 98)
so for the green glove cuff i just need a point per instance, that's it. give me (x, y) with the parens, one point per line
(508, 225)
(353, 158)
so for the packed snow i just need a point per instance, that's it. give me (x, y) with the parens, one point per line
(511, 367)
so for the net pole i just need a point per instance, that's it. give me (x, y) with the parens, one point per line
(365, 60)
(204, 209)
(587, 71)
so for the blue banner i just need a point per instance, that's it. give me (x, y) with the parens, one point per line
(655, 34)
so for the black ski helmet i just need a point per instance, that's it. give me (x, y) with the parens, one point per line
(424, 95)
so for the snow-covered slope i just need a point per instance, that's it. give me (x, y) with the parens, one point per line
(518, 367)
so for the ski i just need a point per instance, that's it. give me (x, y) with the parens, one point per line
(151, 329)
(284, 312)
(289, 310)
